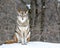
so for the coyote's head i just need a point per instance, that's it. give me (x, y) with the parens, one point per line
(22, 13)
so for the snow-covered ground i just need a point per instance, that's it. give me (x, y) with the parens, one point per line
(32, 45)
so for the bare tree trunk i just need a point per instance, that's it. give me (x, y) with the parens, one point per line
(42, 18)
(33, 12)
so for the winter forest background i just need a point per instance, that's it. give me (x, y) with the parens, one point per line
(44, 18)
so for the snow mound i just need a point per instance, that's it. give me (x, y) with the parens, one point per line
(31, 45)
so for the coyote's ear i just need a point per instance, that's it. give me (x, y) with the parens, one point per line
(27, 12)
(18, 11)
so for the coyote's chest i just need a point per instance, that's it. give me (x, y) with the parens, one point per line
(23, 29)
(23, 22)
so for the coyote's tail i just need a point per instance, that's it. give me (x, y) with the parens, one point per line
(14, 40)
(10, 41)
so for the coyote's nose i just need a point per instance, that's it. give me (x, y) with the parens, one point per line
(22, 18)
(22, 13)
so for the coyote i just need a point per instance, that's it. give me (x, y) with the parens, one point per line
(22, 34)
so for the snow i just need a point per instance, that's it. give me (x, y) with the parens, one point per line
(28, 5)
(32, 45)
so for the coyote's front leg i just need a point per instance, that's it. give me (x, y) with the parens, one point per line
(22, 38)
(27, 37)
